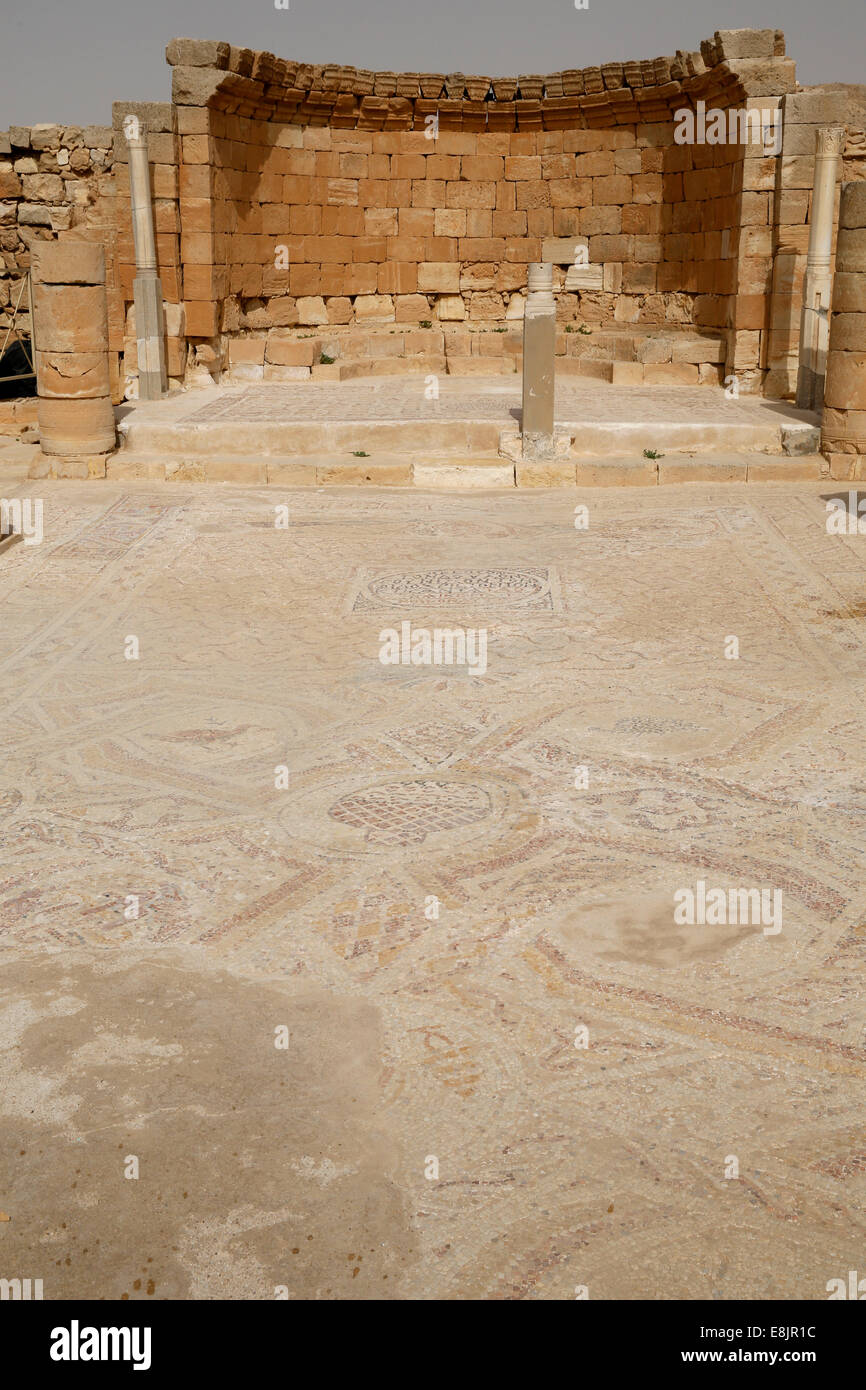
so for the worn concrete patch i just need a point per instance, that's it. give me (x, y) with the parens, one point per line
(259, 1166)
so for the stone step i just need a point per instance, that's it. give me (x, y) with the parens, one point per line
(466, 438)
(299, 438)
(602, 439)
(482, 366)
(435, 472)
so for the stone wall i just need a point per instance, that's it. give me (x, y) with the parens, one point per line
(804, 112)
(51, 179)
(296, 200)
(312, 195)
(314, 226)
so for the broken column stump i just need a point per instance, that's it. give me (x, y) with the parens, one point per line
(70, 317)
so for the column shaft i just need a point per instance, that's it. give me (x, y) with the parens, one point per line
(539, 347)
(818, 282)
(147, 288)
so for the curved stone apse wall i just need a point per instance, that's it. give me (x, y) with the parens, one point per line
(317, 195)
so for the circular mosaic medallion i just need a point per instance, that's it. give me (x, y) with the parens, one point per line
(405, 813)
(430, 588)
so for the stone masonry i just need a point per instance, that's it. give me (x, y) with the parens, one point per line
(312, 212)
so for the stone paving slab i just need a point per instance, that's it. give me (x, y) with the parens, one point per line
(610, 755)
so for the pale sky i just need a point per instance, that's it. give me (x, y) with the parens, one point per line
(68, 61)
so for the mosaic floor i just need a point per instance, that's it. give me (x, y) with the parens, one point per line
(404, 398)
(339, 1024)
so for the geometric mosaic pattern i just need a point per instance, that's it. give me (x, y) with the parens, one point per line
(450, 1034)
(485, 590)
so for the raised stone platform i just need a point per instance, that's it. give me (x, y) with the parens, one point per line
(388, 431)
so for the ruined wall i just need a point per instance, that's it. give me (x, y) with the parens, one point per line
(295, 199)
(395, 228)
(51, 179)
(331, 169)
(804, 112)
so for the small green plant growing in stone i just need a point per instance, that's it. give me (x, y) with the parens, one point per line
(360, 454)
(426, 323)
(325, 360)
(583, 328)
(652, 454)
(500, 330)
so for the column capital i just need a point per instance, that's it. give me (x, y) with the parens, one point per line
(830, 139)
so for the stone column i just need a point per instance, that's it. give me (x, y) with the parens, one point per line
(843, 427)
(70, 322)
(818, 283)
(539, 346)
(147, 288)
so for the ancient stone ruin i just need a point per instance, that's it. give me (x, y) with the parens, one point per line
(307, 214)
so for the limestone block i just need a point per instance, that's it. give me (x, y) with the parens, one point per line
(76, 426)
(766, 77)
(76, 375)
(671, 374)
(848, 332)
(339, 309)
(96, 137)
(816, 107)
(843, 430)
(68, 263)
(291, 352)
(849, 292)
(275, 371)
(698, 350)
(71, 318)
(845, 386)
(10, 183)
(194, 86)
(311, 310)
(627, 373)
(438, 277)
(852, 208)
(851, 250)
(450, 307)
(585, 277)
(486, 306)
(197, 53)
(562, 250)
(45, 137)
(411, 308)
(175, 357)
(201, 318)
(246, 350)
(175, 320)
(478, 277)
(33, 215)
(374, 308)
(246, 371)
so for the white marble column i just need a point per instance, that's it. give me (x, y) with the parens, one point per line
(818, 282)
(147, 287)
